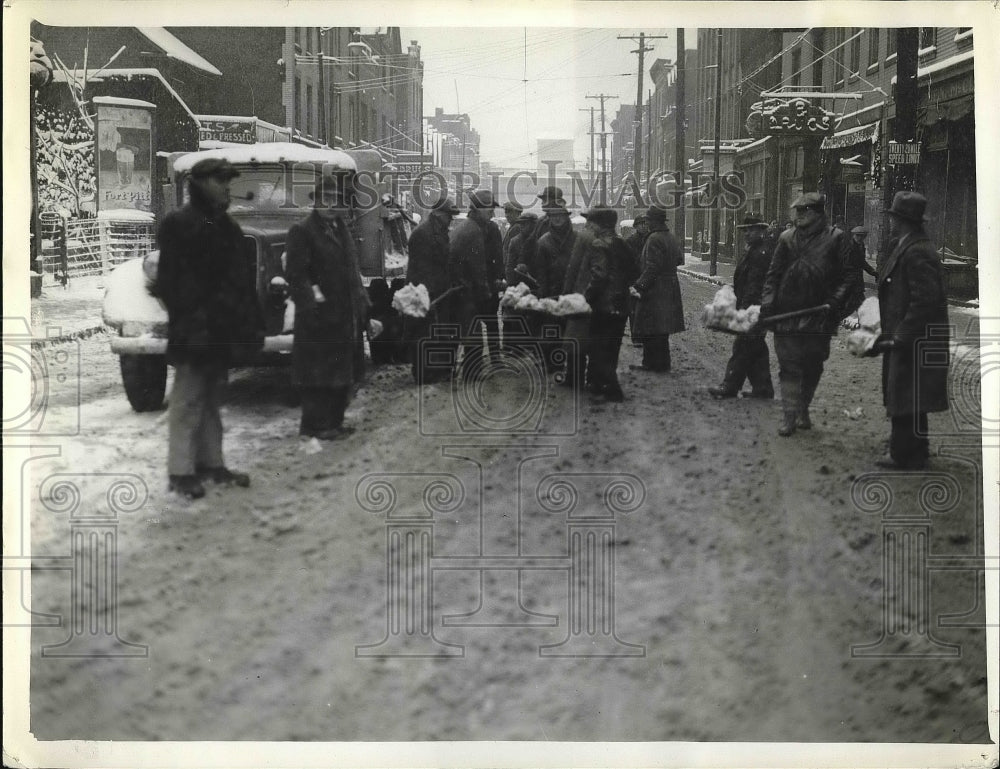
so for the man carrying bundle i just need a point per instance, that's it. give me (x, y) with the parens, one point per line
(750, 358)
(810, 268)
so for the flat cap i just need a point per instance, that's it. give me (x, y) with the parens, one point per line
(602, 215)
(213, 167)
(527, 218)
(751, 220)
(859, 231)
(512, 205)
(809, 200)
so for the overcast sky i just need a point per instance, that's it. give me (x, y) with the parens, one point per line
(482, 71)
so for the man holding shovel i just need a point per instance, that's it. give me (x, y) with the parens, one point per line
(809, 269)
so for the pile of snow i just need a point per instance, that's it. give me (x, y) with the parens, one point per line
(869, 328)
(412, 300)
(126, 297)
(722, 312)
(513, 295)
(520, 299)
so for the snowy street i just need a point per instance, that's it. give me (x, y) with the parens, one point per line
(732, 571)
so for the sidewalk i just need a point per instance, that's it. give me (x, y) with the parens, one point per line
(62, 314)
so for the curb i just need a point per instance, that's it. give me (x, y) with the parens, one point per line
(73, 336)
(702, 276)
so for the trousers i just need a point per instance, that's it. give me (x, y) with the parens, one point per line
(656, 352)
(750, 360)
(194, 424)
(322, 409)
(800, 366)
(908, 442)
(606, 333)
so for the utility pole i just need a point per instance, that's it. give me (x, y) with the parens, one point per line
(680, 146)
(716, 187)
(649, 130)
(604, 147)
(321, 96)
(636, 142)
(591, 111)
(900, 177)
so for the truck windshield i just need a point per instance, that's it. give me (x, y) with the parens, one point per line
(271, 188)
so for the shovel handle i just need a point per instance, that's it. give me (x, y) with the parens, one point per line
(793, 314)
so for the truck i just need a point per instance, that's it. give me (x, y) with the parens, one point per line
(272, 192)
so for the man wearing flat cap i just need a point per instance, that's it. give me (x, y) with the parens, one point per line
(206, 281)
(659, 311)
(914, 314)
(428, 265)
(750, 358)
(475, 250)
(512, 212)
(810, 267)
(331, 308)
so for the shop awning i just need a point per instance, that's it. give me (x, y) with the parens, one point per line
(947, 110)
(849, 136)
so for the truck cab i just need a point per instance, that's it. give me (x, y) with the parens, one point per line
(272, 192)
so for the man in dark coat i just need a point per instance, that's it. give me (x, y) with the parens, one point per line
(550, 196)
(472, 269)
(206, 280)
(521, 267)
(577, 332)
(331, 308)
(810, 267)
(659, 312)
(750, 358)
(914, 313)
(429, 265)
(554, 250)
(636, 241)
(512, 212)
(612, 270)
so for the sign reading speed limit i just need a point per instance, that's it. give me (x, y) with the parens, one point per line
(904, 153)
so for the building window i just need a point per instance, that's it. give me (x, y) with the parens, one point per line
(874, 37)
(964, 34)
(928, 38)
(796, 75)
(310, 118)
(854, 51)
(297, 103)
(839, 36)
(890, 43)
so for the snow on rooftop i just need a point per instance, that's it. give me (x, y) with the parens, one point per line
(268, 152)
(120, 102)
(175, 49)
(98, 75)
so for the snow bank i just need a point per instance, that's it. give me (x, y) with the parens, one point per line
(869, 328)
(127, 299)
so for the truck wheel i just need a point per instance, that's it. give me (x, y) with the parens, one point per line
(145, 380)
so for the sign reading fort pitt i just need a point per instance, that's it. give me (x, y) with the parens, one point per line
(791, 117)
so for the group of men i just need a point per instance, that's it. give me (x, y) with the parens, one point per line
(808, 280)
(466, 267)
(805, 287)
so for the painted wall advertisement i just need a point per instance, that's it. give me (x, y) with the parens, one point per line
(124, 154)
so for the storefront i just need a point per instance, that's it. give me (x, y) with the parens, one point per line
(847, 178)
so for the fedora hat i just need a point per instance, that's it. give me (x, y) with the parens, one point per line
(549, 194)
(482, 199)
(446, 206)
(909, 205)
(656, 213)
(751, 220)
(602, 215)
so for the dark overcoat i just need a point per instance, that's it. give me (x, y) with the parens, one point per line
(810, 267)
(748, 277)
(428, 257)
(523, 249)
(326, 332)
(206, 279)
(554, 252)
(469, 268)
(914, 314)
(659, 310)
(612, 271)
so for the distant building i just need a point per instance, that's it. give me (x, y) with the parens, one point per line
(554, 150)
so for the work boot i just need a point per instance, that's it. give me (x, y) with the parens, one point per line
(765, 395)
(802, 421)
(722, 392)
(788, 425)
(223, 476)
(187, 486)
